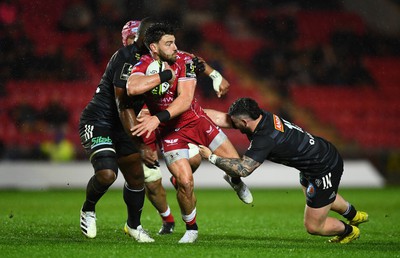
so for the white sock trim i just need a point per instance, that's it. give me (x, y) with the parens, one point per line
(190, 217)
(166, 213)
(348, 209)
(132, 190)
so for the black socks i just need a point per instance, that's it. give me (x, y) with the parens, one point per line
(134, 200)
(94, 191)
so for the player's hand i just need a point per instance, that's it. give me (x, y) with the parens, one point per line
(204, 151)
(223, 87)
(149, 157)
(146, 124)
(199, 64)
(143, 112)
(167, 66)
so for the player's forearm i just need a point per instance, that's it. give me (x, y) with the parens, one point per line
(219, 118)
(208, 69)
(128, 119)
(232, 167)
(138, 83)
(184, 100)
(235, 166)
(125, 109)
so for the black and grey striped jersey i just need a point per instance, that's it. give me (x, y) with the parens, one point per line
(102, 109)
(283, 142)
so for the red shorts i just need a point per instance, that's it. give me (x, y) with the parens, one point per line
(201, 131)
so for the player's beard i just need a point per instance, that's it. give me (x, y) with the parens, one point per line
(170, 59)
(245, 130)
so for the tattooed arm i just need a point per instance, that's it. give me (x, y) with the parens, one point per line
(232, 166)
(237, 167)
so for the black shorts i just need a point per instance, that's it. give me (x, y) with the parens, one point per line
(94, 138)
(322, 189)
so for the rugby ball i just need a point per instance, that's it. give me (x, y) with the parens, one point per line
(156, 67)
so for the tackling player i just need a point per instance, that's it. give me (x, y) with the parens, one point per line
(108, 145)
(280, 141)
(178, 116)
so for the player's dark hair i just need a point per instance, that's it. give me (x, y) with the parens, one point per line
(156, 31)
(145, 23)
(245, 107)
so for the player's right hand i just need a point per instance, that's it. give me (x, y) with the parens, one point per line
(149, 157)
(146, 124)
(223, 88)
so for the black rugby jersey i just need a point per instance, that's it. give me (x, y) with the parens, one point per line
(102, 109)
(283, 142)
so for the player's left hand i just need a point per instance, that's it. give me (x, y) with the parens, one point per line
(146, 124)
(204, 151)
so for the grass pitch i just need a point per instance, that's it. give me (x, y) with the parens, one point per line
(46, 224)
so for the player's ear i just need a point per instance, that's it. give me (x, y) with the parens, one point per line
(153, 47)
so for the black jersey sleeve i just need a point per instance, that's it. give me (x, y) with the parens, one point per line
(260, 147)
(123, 64)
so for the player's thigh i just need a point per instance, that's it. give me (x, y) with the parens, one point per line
(98, 143)
(155, 188)
(316, 217)
(182, 171)
(226, 150)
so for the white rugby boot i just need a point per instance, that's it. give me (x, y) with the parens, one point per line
(241, 190)
(190, 236)
(88, 223)
(139, 234)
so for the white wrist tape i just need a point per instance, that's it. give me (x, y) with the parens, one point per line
(217, 79)
(212, 158)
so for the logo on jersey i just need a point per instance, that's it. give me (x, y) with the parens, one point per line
(327, 182)
(278, 124)
(88, 132)
(137, 56)
(190, 69)
(100, 140)
(171, 142)
(210, 130)
(333, 195)
(126, 71)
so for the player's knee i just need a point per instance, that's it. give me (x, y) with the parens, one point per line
(155, 188)
(106, 176)
(106, 166)
(185, 184)
(312, 228)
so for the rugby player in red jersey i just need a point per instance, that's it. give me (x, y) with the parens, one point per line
(177, 117)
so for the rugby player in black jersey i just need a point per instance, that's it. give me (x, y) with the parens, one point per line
(281, 141)
(108, 145)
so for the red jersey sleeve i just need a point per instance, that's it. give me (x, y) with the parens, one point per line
(141, 66)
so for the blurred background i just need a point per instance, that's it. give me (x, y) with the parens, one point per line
(332, 67)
